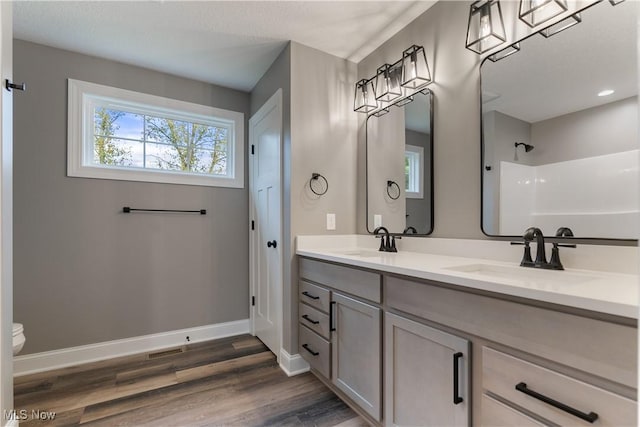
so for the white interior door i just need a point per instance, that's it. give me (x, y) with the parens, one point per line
(265, 135)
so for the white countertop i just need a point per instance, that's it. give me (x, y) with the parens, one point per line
(600, 291)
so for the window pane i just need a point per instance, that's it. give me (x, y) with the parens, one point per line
(167, 131)
(211, 162)
(119, 124)
(412, 171)
(165, 157)
(117, 152)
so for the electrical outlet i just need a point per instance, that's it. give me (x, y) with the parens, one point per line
(377, 221)
(331, 221)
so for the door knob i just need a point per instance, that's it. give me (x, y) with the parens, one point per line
(272, 244)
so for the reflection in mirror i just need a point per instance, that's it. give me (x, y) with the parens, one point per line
(399, 167)
(560, 130)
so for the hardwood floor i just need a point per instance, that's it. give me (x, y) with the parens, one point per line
(227, 382)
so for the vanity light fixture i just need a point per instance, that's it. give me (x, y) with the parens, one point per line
(606, 92)
(365, 100)
(388, 83)
(486, 27)
(507, 51)
(394, 83)
(536, 12)
(415, 70)
(561, 25)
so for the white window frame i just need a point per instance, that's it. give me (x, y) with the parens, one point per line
(416, 176)
(84, 95)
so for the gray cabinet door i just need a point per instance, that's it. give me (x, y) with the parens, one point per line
(357, 352)
(421, 368)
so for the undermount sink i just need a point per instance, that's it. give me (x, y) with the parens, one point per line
(522, 274)
(365, 253)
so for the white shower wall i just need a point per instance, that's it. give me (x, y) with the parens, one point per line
(603, 199)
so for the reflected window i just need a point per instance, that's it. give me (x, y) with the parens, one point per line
(414, 171)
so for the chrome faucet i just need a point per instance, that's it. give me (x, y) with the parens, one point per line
(387, 241)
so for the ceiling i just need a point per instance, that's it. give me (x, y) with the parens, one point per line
(229, 43)
(564, 73)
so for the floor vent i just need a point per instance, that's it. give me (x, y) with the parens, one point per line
(164, 353)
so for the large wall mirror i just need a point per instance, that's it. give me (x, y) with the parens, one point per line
(560, 130)
(400, 166)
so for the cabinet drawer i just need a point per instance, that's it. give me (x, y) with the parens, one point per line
(315, 350)
(608, 350)
(501, 373)
(314, 319)
(497, 414)
(363, 284)
(314, 296)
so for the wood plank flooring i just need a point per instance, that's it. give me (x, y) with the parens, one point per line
(229, 382)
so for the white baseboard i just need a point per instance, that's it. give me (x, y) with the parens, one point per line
(292, 364)
(39, 362)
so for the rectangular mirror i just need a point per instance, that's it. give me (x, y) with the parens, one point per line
(560, 130)
(400, 168)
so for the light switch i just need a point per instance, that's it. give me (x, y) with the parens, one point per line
(331, 221)
(377, 221)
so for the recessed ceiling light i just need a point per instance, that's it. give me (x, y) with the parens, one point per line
(605, 92)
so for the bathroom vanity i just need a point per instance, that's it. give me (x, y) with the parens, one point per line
(415, 338)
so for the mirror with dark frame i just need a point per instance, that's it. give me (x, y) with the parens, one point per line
(560, 130)
(400, 166)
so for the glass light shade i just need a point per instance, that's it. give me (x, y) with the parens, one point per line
(388, 83)
(562, 25)
(415, 70)
(364, 100)
(536, 12)
(486, 27)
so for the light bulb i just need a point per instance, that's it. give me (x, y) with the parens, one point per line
(485, 24)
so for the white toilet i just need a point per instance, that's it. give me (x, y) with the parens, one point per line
(18, 338)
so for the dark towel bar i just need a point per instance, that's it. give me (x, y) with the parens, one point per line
(127, 209)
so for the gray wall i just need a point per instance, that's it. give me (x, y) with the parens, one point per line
(85, 272)
(501, 132)
(323, 139)
(419, 210)
(385, 157)
(442, 30)
(319, 136)
(606, 129)
(455, 71)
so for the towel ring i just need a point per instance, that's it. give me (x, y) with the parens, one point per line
(315, 178)
(393, 184)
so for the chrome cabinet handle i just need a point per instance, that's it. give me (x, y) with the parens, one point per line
(590, 417)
